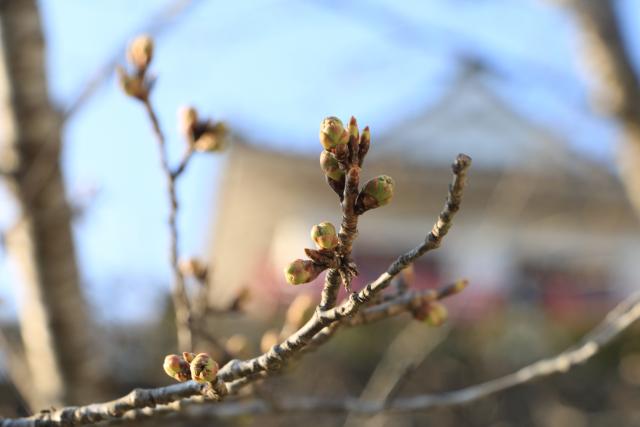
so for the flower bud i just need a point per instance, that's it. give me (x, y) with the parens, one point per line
(332, 133)
(376, 192)
(188, 356)
(133, 86)
(188, 118)
(301, 271)
(365, 141)
(330, 166)
(212, 139)
(324, 234)
(353, 129)
(437, 314)
(203, 368)
(140, 51)
(176, 367)
(193, 267)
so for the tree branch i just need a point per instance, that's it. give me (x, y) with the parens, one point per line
(179, 294)
(237, 373)
(162, 401)
(279, 354)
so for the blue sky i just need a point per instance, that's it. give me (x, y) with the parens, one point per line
(273, 69)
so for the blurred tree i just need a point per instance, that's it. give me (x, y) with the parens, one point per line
(618, 85)
(54, 321)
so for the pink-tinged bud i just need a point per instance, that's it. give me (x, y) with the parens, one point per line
(332, 133)
(188, 356)
(324, 235)
(330, 166)
(140, 52)
(365, 141)
(188, 119)
(301, 271)
(203, 368)
(353, 129)
(376, 192)
(176, 367)
(212, 139)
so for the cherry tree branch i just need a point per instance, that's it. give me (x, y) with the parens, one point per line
(238, 373)
(140, 404)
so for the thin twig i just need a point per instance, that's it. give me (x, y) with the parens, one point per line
(179, 294)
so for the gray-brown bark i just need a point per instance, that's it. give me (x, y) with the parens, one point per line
(54, 320)
(608, 57)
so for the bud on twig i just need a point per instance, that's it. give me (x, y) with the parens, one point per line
(324, 235)
(432, 313)
(365, 141)
(188, 119)
(376, 192)
(212, 138)
(193, 267)
(332, 133)
(140, 52)
(176, 367)
(134, 86)
(330, 166)
(302, 271)
(203, 368)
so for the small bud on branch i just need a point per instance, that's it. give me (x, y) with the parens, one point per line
(302, 271)
(140, 52)
(333, 133)
(177, 368)
(376, 192)
(324, 235)
(203, 368)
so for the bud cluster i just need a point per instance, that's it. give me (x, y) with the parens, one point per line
(203, 135)
(344, 149)
(305, 270)
(198, 367)
(139, 55)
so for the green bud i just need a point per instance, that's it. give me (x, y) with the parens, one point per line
(301, 271)
(176, 367)
(324, 234)
(140, 51)
(436, 315)
(330, 166)
(203, 368)
(332, 133)
(376, 192)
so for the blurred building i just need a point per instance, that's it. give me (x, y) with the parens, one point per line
(539, 223)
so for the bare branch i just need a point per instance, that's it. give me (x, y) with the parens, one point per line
(162, 401)
(179, 294)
